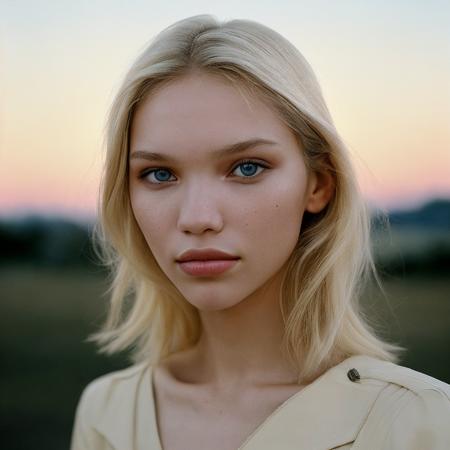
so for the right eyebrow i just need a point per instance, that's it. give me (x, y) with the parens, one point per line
(231, 149)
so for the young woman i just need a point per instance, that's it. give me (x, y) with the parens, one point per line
(239, 243)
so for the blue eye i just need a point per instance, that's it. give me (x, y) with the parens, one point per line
(247, 167)
(159, 171)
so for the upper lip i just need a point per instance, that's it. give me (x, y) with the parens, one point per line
(205, 254)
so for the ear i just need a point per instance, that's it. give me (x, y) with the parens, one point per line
(321, 189)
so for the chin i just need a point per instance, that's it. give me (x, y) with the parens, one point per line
(210, 305)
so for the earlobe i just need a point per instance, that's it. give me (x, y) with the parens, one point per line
(322, 188)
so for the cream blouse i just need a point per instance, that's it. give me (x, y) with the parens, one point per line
(360, 404)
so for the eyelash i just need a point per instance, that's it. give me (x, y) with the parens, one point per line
(240, 163)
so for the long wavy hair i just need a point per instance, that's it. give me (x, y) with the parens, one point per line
(327, 270)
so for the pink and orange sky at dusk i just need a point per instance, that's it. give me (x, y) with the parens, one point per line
(384, 68)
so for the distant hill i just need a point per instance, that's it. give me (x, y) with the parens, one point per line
(419, 237)
(434, 214)
(46, 241)
(415, 241)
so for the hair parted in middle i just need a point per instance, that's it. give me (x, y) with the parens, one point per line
(326, 272)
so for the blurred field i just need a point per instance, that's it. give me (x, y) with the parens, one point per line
(47, 313)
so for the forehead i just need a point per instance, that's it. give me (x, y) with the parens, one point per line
(202, 111)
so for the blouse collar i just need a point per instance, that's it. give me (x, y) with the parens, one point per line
(326, 413)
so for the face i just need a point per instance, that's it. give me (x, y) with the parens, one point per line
(248, 203)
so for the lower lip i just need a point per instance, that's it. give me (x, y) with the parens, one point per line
(207, 268)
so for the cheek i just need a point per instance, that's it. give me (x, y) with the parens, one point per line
(274, 222)
(150, 219)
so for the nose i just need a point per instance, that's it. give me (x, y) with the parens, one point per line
(199, 210)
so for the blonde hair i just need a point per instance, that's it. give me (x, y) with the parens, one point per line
(320, 293)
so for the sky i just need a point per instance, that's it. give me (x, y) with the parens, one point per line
(384, 68)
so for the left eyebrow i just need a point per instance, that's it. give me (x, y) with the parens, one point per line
(231, 149)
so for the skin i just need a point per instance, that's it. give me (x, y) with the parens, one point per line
(249, 211)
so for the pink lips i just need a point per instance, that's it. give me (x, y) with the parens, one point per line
(206, 262)
(207, 268)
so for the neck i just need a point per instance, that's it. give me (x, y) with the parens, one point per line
(242, 345)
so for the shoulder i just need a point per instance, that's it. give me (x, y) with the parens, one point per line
(412, 410)
(107, 400)
(402, 376)
(114, 388)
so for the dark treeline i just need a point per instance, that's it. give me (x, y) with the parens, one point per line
(413, 241)
(55, 242)
(409, 241)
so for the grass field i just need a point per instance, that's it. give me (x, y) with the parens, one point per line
(47, 313)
